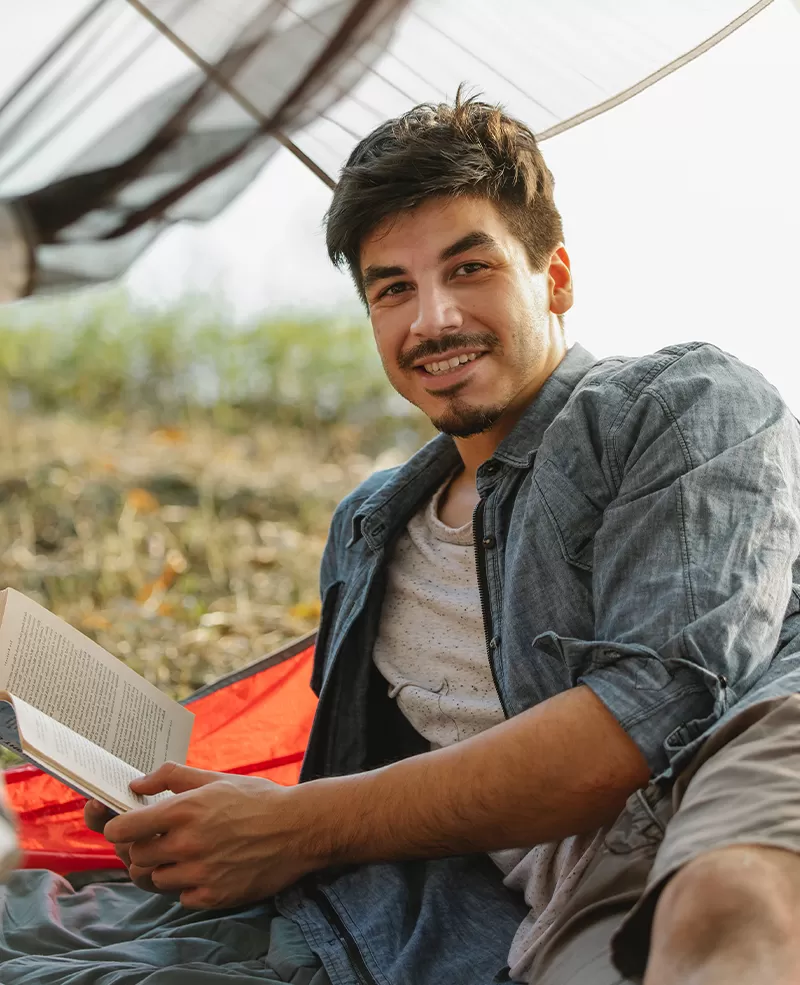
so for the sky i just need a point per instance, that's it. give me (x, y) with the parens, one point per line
(681, 209)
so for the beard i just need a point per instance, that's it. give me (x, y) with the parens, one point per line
(462, 421)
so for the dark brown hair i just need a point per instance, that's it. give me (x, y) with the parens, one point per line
(443, 151)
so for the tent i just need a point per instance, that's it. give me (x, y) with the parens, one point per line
(123, 117)
(270, 698)
(119, 118)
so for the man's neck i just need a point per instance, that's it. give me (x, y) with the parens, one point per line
(458, 501)
(476, 450)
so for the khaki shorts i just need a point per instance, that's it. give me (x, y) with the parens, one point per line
(742, 788)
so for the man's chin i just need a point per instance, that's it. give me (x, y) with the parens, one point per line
(468, 421)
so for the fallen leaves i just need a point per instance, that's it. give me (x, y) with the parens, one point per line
(184, 551)
(142, 501)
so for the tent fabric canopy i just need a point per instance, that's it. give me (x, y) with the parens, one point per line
(118, 133)
(142, 113)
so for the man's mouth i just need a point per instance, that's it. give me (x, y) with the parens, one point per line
(440, 366)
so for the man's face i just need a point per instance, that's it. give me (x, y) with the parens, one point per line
(465, 327)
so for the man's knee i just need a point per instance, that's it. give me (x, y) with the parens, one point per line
(746, 895)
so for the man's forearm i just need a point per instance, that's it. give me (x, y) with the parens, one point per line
(561, 768)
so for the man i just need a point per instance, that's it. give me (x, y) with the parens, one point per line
(558, 648)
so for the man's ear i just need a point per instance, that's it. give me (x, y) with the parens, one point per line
(560, 276)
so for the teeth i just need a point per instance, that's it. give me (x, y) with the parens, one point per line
(446, 365)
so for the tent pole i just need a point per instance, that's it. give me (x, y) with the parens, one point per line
(662, 73)
(241, 99)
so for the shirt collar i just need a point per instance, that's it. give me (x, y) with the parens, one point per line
(520, 447)
(388, 509)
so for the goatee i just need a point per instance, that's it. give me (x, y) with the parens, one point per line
(465, 422)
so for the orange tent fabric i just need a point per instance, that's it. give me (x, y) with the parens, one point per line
(255, 722)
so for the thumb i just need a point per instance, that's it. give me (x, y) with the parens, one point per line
(173, 777)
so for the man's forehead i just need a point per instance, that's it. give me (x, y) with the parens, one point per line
(432, 230)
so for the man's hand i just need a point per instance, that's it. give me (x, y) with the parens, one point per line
(221, 841)
(97, 816)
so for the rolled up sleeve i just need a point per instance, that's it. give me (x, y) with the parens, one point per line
(693, 562)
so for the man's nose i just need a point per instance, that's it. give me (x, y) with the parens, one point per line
(437, 312)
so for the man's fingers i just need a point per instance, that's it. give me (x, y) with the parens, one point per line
(123, 853)
(96, 815)
(139, 825)
(142, 878)
(145, 823)
(204, 899)
(158, 851)
(173, 777)
(175, 878)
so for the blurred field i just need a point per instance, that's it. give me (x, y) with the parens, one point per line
(166, 482)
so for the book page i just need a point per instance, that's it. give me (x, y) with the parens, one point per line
(61, 672)
(82, 764)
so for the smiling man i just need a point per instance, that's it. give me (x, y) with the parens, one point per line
(557, 737)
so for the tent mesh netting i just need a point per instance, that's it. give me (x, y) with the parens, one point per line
(121, 117)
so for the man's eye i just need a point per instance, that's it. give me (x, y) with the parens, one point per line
(472, 267)
(393, 290)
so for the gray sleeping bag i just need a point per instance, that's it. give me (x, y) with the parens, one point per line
(120, 935)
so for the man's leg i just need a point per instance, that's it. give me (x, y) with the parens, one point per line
(575, 949)
(731, 915)
(722, 904)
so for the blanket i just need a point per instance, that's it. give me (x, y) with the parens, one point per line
(51, 934)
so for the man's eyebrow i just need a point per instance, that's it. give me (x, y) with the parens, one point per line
(468, 242)
(375, 272)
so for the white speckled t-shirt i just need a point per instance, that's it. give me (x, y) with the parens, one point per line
(432, 651)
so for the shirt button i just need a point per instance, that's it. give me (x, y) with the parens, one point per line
(494, 642)
(490, 467)
(489, 541)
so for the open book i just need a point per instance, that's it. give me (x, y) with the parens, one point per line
(79, 713)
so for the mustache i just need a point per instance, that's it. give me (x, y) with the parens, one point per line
(446, 343)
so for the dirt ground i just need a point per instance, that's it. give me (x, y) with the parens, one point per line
(187, 553)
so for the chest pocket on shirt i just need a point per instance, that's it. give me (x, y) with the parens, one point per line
(575, 518)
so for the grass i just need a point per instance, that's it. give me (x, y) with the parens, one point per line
(106, 358)
(166, 480)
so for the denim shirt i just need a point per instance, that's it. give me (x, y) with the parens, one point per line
(638, 532)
